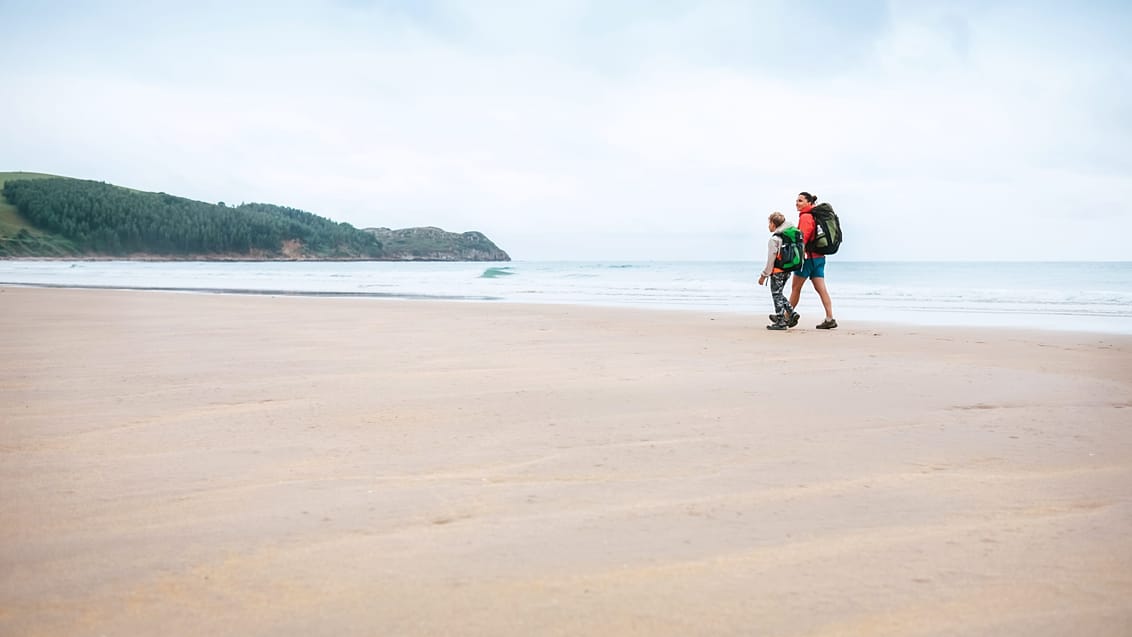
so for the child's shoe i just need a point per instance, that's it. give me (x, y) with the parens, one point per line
(777, 318)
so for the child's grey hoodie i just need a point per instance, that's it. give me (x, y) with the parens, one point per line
(772, 247)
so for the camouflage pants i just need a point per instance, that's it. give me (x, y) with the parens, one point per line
(777, 285)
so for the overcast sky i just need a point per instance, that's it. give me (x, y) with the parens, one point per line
(605, 129)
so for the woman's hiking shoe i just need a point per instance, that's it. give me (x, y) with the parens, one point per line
(777, 325)
(827, 324)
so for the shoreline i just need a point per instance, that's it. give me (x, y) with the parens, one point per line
(255, 292)
(272, 465)
(1098, 328)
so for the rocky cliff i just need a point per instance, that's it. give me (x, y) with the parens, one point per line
(434, 244)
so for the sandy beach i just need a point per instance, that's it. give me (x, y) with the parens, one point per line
(238, 465)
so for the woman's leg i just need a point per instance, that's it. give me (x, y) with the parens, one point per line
(819, 286)
(796, 291)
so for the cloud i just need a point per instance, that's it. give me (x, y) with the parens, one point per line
(658, 130)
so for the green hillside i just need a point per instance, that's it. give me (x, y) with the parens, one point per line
(18, 237)
(48, 216)
(434, 244)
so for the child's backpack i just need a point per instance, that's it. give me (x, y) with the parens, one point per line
(827, 230)
(792, 252)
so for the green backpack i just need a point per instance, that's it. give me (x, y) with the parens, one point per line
(792, 252)
(827, 230)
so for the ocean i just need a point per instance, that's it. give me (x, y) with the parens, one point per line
(1091, 297)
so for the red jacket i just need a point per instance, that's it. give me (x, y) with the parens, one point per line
(808, 226)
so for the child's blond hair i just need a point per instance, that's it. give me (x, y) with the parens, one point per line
(777, 218)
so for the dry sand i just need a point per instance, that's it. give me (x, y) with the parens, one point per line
(183, 464)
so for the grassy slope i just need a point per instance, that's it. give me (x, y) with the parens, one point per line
(11, 221)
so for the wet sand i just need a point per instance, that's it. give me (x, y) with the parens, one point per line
(231, 465)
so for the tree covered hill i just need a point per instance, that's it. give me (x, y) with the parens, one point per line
(434, 244)
(49, 216)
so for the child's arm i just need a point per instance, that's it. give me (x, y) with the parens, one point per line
(772, 247)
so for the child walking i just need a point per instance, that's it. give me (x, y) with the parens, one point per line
(779, 263)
